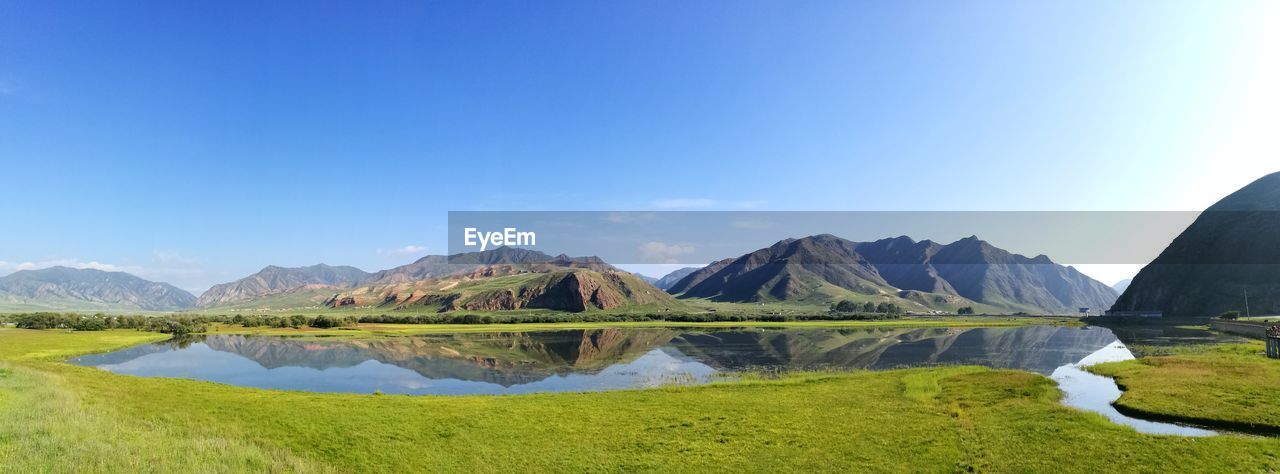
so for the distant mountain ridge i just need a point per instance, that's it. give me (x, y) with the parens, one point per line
(826, 267)
(505, 278)
(669, 280)
(72, 289)
(1231, 249)
(817, 269)
(272, 280)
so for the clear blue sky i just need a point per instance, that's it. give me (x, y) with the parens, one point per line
(195, 142)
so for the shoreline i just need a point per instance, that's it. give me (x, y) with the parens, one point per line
(385, 330)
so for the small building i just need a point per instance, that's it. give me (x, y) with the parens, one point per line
(1137, 314)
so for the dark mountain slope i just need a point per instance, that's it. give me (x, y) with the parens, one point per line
(923, 272)
(693, 279)
(903, 263)
(1231, 249)
(792, 268)
(982, 272)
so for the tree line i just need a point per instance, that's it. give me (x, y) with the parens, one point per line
(847, 306)
(188, 324)
(881, 309)
(102, 322)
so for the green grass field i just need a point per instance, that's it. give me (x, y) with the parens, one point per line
(1232, 385)
(56, 417)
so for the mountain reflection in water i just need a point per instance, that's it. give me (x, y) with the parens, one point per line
(586, 360)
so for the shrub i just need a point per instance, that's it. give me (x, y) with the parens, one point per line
(888, 308)
(326, 322)
(41, 321)
(89, 324)
(174, 325)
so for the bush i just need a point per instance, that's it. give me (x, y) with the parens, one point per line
(1230, 315)
(41, 321)
(888, 308)
(965, 310)
(89, 324)
(326, 322)
(177, 326)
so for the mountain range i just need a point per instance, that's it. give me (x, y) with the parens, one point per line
(916, 275)
(273, 279)
(559, 284)
(1230, 250)
(923, 274)
(62, 288)
(505, 278)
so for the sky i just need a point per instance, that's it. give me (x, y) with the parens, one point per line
(196, 142)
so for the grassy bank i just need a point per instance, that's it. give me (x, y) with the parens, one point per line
(374, 329)
(1232, 386)
(59, 417)
(19, 344)
(52, 423)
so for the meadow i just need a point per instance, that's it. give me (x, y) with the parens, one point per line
(56, 417)
(1228, 385)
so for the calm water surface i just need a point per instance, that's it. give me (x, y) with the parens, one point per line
(1095, 393)
(611, 359)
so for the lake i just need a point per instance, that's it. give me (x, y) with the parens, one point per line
(618, 358)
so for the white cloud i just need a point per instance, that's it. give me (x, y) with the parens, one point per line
(664, 253)
(408, 250)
